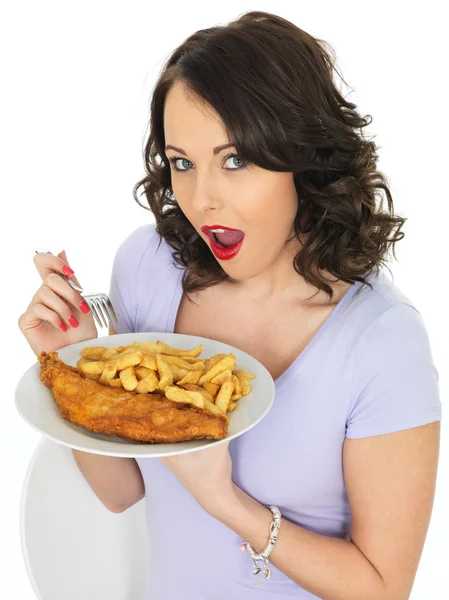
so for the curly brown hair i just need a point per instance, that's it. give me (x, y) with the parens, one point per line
(272, 85)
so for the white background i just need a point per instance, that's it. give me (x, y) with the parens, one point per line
(76, 83)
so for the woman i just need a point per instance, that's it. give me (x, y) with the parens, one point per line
(249, 132)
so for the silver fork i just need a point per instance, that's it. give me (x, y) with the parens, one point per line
(100, 304)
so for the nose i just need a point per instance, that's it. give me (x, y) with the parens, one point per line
(205, 196)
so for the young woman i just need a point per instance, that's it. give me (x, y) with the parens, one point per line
(268, 236)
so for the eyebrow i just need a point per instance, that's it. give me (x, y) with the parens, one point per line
(216, 150)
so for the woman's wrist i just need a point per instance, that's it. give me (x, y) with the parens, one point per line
(245, 516)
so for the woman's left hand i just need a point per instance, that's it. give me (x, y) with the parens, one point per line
(206, 474)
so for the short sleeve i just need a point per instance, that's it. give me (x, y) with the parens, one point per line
(122, 290)
(395, 383)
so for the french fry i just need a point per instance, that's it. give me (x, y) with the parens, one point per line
(232, 405)
(165, 349)
(180, 362)
(109, 372)
(245, 388)
(237, 390)
(98, 352)
(142, 372)
(237, 386)
(222, 377)
(116, 383)
(121, 349)
(198, 365)
(165, 373)
(191, 377)
(213, 361)
(95, 367)
(145, 346)
(192, 359)
(228, 362)
(213, 409)
(128, 358)
(128, 379)
(177, 394)
(197, 388)
(148, 361)
(109, 353)
(212, 388)
(224, 396)
(93, 352)
(246, 374)
(177, 372)
(148, 384)
(175, 360)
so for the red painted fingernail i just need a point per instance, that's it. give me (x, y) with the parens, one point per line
(67, 271)
(84, 307)
(73, 322)
(63, 326)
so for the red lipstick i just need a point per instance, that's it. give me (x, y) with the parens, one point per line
(222, 252)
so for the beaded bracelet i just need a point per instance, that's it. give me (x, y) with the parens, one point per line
(275, 525)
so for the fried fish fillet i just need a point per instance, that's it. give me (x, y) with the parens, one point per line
(114, 411)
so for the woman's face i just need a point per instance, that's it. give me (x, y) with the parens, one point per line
(213, 190)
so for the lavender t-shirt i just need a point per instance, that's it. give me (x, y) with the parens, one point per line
(367, 371)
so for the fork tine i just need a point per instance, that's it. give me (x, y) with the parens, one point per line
(110, 310)
(100, 311)
(104, 312)
(94, 310)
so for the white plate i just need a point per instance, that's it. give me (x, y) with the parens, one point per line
(36, 404)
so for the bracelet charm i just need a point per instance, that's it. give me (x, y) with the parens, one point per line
(256, 556)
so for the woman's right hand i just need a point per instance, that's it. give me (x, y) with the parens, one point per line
(57, 314)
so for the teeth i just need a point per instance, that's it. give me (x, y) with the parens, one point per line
(218, 230)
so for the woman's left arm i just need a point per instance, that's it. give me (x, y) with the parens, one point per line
(390, 481)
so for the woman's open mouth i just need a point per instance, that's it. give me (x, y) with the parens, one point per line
(225, 242)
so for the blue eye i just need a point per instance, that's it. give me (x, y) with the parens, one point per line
(174, 159)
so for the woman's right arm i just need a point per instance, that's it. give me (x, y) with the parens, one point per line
(57, 317)
(116, 481)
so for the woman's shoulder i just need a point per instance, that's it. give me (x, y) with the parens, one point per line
(138, 241)
(143, 279)
(141, 248)
(391, 327)
(381, 301)
(395, 381)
